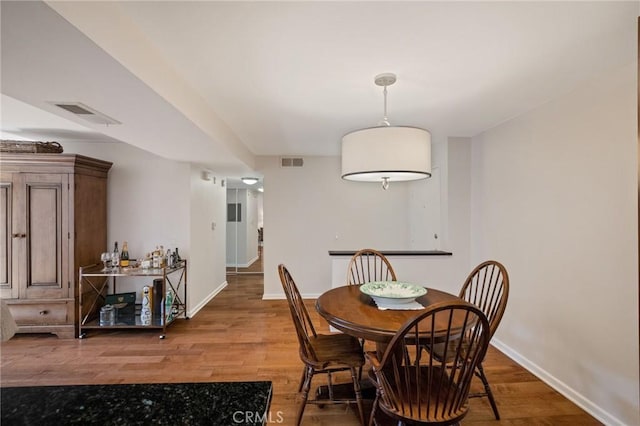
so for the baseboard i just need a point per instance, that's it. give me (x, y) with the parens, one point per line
(206, 300)
(243, 265)
(567, 391)
(252, 261)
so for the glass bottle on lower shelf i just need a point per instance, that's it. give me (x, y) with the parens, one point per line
(168, 307)
(145, 310)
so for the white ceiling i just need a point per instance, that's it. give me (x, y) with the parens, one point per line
(218, 83)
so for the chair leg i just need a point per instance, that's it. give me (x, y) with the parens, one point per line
(487, 389)
(373, 409)
(330, 386)
(356, 388)
(305, 393)
(362, 366)
(304, 374)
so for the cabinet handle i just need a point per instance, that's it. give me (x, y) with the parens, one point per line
(43, 312)
(19, 235)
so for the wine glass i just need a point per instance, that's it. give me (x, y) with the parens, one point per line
(106, 259)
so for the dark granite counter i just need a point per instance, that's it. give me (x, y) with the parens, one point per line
(222, 403)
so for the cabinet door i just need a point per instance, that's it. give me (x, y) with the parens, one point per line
(7, 288)
(40, 203)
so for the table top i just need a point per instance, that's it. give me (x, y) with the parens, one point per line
(352, 312)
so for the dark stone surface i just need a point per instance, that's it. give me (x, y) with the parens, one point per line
(221, 403)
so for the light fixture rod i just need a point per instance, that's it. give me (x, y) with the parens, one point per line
(384, 80)
(385, 120)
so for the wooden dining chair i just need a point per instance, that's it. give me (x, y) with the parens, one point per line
(368, 265)
(487, 287)
(321, 353)
(413, 385)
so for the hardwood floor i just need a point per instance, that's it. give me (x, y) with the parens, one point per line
(240, 337)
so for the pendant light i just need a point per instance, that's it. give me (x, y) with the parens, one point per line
(386, 153)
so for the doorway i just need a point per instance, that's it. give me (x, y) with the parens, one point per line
(245, 231)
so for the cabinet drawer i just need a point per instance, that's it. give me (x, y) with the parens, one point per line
(42, 313)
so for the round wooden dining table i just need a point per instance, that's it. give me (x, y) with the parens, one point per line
(352, 312)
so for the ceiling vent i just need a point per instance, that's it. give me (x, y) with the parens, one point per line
(87, 113)
(291, 162)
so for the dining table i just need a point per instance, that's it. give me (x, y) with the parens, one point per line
(350, 311)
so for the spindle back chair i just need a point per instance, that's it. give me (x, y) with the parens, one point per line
(368, 265)
(321, 353)
(416, 387)
(487, 287)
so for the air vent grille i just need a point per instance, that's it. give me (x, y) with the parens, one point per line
(86, 113)
(291, 162)
(75, 109)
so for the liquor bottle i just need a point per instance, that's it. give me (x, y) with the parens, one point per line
(156, 258)
(178, 258)
(168, 306)
(145, 311)
(115, 257)
(124, 256)
(168, 260)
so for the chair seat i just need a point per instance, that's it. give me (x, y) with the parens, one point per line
(336, 350)
(436, 386)
(439, 348)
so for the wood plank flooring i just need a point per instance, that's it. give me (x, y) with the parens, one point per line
(240, 337)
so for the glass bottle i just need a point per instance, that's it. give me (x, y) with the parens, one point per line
(168, 306)
(156, 258)
(168, 259)
(124, 256)
(115, 257)
(145, 310)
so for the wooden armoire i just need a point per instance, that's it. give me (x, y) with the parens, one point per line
(54, 220)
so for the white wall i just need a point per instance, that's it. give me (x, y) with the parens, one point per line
(235, 231)
(208, 212)
(456, 212)
(554, 198)
(309, 211)
(150, 203)
(147, 201)
(251, 253)
(260, 200)
(423, 212)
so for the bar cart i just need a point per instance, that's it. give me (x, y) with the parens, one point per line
(97, 283)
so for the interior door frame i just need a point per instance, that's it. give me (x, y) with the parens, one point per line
(245, 215)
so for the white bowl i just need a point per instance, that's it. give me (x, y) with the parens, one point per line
(392, 292)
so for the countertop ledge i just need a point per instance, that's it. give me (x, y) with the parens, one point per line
(395, 252)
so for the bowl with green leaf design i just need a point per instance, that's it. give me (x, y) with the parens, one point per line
(392, 292)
